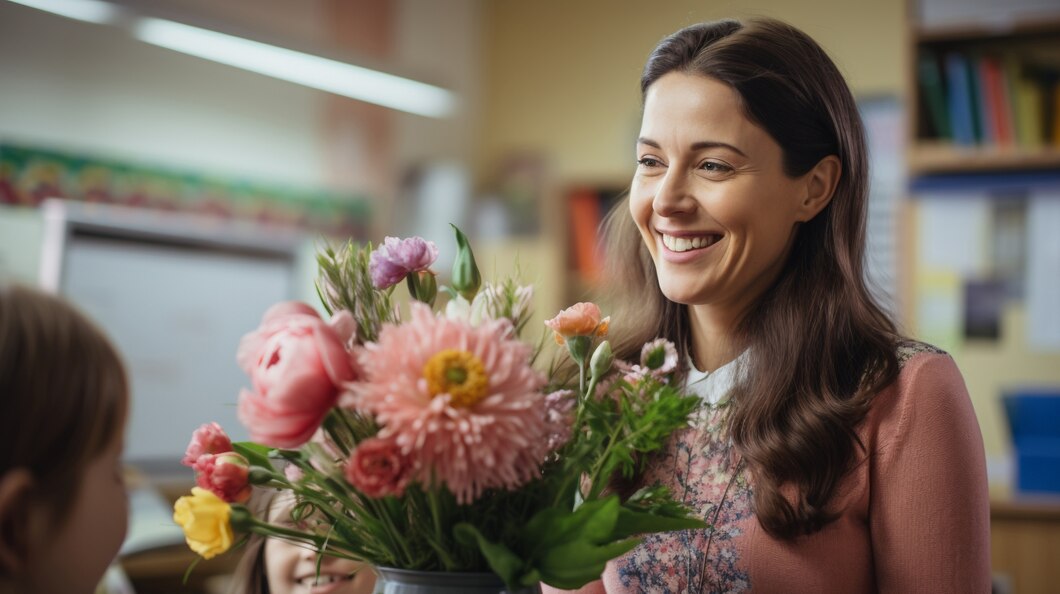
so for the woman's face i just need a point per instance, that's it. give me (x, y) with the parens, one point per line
(292, 569)
(710, 197)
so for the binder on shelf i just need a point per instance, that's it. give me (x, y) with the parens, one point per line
(585, 217)
(980, 123)
(984, 101)
(1056, 114)
(995, 98)
(960, 100)
(934, 94)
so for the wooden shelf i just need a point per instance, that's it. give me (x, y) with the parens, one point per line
(934, 158)
(987, 30)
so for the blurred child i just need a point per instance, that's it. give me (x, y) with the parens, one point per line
(63, 403)
(274, 566)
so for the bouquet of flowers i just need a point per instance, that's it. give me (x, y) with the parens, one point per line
(429, 440)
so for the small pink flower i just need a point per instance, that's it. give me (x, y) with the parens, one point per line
(226, 475)
(207, 439)
(580, 319)
(297, 364)
(377, 468)
(660, 356)
(391, 262)
(559, 407)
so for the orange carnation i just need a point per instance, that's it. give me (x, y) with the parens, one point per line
(580, 319)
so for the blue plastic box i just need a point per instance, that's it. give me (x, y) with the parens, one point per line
(1034, 419)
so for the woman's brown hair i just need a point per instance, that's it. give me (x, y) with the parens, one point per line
(819, 346)
(249, 576)
(63, 393)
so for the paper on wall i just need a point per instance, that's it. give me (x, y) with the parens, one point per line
(953, 234)
(1043, 271)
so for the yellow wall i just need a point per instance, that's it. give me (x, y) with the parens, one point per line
(561, 77)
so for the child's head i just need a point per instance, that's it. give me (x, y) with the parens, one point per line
(274, 566)
(63, 402)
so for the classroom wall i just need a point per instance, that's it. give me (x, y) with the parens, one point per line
(562, 77)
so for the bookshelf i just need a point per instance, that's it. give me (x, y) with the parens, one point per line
(985, 95)
(587, 204)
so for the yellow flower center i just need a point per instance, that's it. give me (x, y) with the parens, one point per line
(459, 374)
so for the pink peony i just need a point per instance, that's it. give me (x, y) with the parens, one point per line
(226, 475)
(296, 364)
(207, 439)
(391, 262)
(377, 468)
(461, 402)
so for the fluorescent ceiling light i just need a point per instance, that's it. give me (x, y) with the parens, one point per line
(92, 11)
(297, 67)
(312, 71)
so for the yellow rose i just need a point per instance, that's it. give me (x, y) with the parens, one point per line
(204, 518)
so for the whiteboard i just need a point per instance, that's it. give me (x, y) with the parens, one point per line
(176, 307)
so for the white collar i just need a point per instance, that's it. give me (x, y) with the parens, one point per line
(714, 386)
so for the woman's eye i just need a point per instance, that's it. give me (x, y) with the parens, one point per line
(648, 162)
(715, 167)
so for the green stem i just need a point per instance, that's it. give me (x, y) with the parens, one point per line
(432, 502)
(392, 532)
(612, 440)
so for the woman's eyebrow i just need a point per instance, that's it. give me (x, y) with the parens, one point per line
(696, 146)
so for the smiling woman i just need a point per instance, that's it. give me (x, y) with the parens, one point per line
(743, 242)
(273, 566)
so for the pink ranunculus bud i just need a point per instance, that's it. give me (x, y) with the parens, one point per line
(391, 262)
(377, 468)
(226, 475)
(207, 439)
(297, 365)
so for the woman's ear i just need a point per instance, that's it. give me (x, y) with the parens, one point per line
(16, 508)
(819, 187)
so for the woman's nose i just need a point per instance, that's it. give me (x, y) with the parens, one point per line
(673, 195)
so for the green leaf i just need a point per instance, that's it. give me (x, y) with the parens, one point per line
(574, 564)
(633, 523)
(593, 522)
(502, 560)
(255, 453)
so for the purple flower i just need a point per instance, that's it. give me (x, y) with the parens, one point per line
(391, 262)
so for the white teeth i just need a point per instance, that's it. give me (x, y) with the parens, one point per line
(683, 244)
(313, 581)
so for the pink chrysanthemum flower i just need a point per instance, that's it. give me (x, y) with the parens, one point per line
(461, 402)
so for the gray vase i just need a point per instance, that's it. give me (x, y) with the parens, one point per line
(405, 581)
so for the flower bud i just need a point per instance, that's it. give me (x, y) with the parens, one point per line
(601, 360)
(466, 277)
(422, 286)
(240, 518)
(226, 475)
(259, 476)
